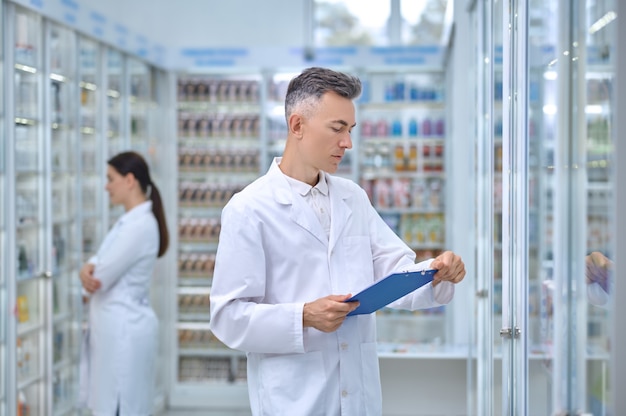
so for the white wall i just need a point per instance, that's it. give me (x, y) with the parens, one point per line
(162, 29)
(209, 23)
(235, 22)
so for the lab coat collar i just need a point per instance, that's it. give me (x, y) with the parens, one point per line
(304, 188)
(136, 212)
(290, 183)
(340, 211)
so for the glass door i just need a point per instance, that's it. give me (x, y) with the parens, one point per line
(140, 101)
(549, 68)
(115, 109)
(116, 121)
(127, 121)
(599, 108)
(3, 252)
(29, 225)
(94, 220)
(488, 300)
(65, 255)
(569, 83)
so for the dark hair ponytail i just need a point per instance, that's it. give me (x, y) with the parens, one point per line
(159, 213)
(133, 162)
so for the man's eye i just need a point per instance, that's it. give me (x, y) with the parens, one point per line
(335, 129)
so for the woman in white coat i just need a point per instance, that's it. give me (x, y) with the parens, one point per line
(294, 245)
(120, 356)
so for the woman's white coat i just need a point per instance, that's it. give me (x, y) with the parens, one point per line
(123, 328)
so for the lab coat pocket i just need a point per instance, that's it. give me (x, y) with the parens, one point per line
(280, 395)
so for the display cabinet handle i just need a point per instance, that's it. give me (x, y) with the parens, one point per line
(46, 274)
(510, 332)
(483, 293)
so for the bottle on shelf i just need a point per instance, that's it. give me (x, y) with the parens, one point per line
(396, 128)
(413, 127)
(22, 309)
(399, 158)
(23, 409)
(382, 128)
(426, 127)
(412, 162)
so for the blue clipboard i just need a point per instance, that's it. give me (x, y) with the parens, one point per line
(391, 288)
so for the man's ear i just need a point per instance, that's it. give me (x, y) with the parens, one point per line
(295, 125)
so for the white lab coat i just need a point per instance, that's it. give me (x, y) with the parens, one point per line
(273, 256)
(123, 328)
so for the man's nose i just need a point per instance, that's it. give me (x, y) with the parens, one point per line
(346, 141)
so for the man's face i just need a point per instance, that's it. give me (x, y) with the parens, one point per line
(326, 132)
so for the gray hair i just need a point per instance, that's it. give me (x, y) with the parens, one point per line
(307, 89)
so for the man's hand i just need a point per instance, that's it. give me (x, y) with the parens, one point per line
(450, 268)
(328, 313)
(90, 283)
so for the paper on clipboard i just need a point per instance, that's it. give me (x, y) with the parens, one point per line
(391, 288)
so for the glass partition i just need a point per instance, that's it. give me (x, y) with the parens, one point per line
(488, 37)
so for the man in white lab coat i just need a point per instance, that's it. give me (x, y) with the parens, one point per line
(294, 245)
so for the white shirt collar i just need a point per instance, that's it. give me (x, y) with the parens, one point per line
(304, 188)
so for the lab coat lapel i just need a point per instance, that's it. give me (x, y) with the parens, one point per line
(300, 212)
(340, 212)
(303, 215)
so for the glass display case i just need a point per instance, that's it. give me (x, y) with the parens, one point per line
(92, 148)
(545, 157)
(118, 118)
(31, 222)
(53, 212)
(115, 103)
(140, 100)
(219, 152)
(400, 154)
(65, 255)
(274, 123)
